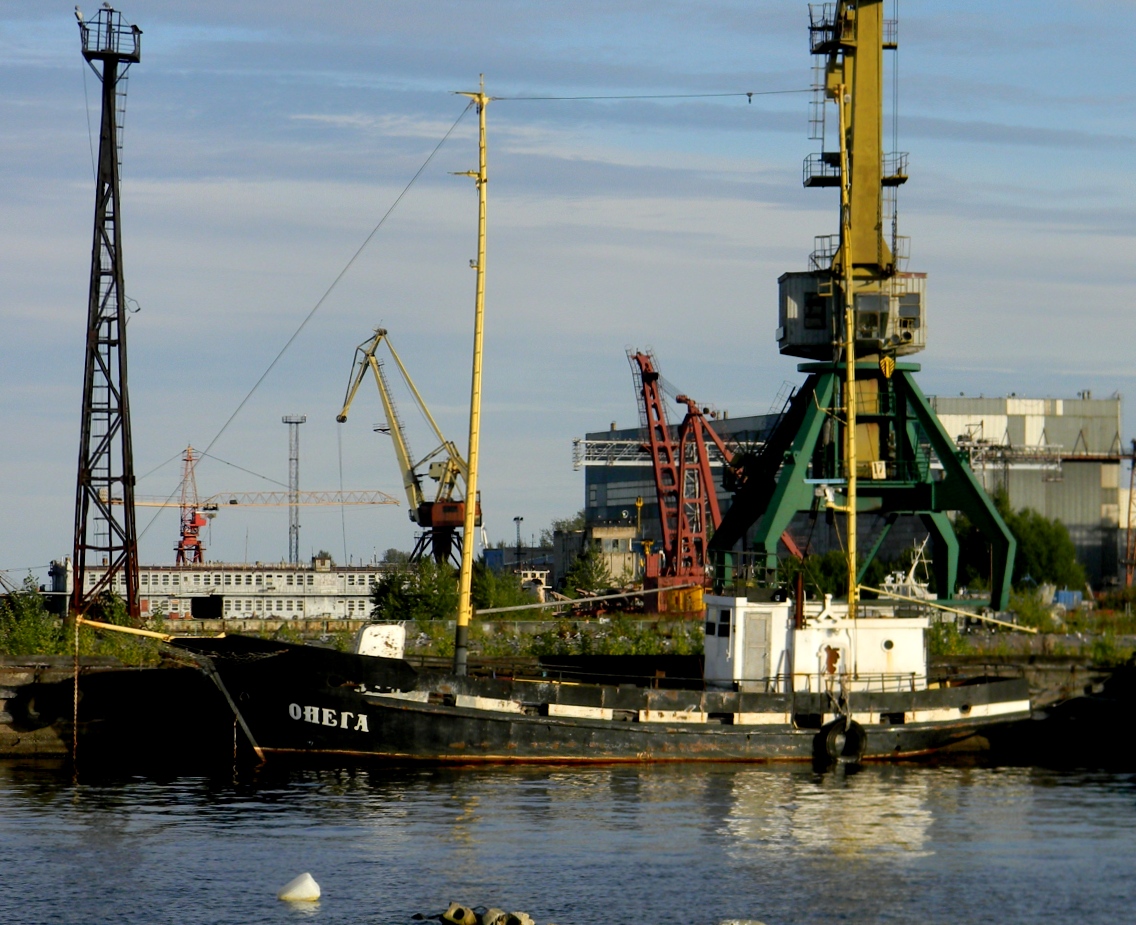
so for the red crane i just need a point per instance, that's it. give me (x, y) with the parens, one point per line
(684, 484)
(189, 549)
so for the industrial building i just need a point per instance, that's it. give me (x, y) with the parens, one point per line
(1060, 457)
(243, 591)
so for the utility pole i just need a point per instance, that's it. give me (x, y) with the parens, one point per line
(294, 421)
(106, 538)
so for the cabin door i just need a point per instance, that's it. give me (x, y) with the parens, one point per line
(755, 660)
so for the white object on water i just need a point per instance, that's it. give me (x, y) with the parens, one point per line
(303, 889)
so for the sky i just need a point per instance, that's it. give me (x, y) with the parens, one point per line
(264, 142)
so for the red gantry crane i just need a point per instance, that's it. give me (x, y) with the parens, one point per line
(684, 485)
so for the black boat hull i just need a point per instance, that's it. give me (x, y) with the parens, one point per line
(297, 701)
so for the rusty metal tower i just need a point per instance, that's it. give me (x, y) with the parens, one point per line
(106, 539)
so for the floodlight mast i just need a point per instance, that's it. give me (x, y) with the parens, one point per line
(106, 539)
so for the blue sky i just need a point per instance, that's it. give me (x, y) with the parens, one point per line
(264, 141)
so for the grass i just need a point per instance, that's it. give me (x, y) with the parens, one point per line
(622, 635)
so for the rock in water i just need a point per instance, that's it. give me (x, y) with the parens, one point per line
(303, 889)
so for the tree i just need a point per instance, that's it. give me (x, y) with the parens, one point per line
(423, 591)
(1045, 551)
(573, 524)
(394, 556)
(589, 572)
(496, 589)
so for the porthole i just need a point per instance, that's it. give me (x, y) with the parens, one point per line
(888, 645)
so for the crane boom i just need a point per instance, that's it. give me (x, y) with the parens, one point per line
(269, 499)
(441, 517)
(365, 359)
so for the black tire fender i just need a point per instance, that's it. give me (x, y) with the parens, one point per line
(841, 740)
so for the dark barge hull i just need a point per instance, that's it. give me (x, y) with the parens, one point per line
(303, 702)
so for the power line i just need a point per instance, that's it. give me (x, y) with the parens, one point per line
(243, 469)
(319, 304)
(336, 281)
(748, 94)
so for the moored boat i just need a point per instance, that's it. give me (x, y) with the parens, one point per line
(779, 683)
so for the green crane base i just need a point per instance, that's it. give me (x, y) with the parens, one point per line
(899, 436)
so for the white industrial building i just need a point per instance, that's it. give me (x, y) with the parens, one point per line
(278, 591)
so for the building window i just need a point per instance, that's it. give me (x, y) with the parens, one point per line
(311, 579)
(165, 580)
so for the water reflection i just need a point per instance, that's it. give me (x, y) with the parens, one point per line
(690, 844)
(841, 813)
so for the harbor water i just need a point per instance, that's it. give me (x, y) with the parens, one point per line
(574, 845)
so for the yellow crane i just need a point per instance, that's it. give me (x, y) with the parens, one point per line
(441, 518)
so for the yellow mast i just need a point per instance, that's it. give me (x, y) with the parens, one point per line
(465, 600)
(849, 354)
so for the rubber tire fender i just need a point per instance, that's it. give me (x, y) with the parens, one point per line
(841, 740)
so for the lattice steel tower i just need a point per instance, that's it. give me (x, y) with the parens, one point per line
(294, 421)
(106, 539)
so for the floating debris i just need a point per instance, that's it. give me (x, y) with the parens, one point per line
(457, 914)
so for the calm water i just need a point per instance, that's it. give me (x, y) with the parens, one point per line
(576, 846)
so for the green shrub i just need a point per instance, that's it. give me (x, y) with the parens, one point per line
(1030, 610)
(26, 626)
(945, 639)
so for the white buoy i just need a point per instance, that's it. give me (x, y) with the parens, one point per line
(303, 889)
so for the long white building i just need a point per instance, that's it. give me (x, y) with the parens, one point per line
(279, 591)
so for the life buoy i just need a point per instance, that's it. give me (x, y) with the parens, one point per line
(841, 740)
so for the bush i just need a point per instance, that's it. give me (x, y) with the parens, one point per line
(26, 626)
(1031, 610)
(945, 639)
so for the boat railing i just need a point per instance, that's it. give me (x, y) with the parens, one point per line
(814, 682)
